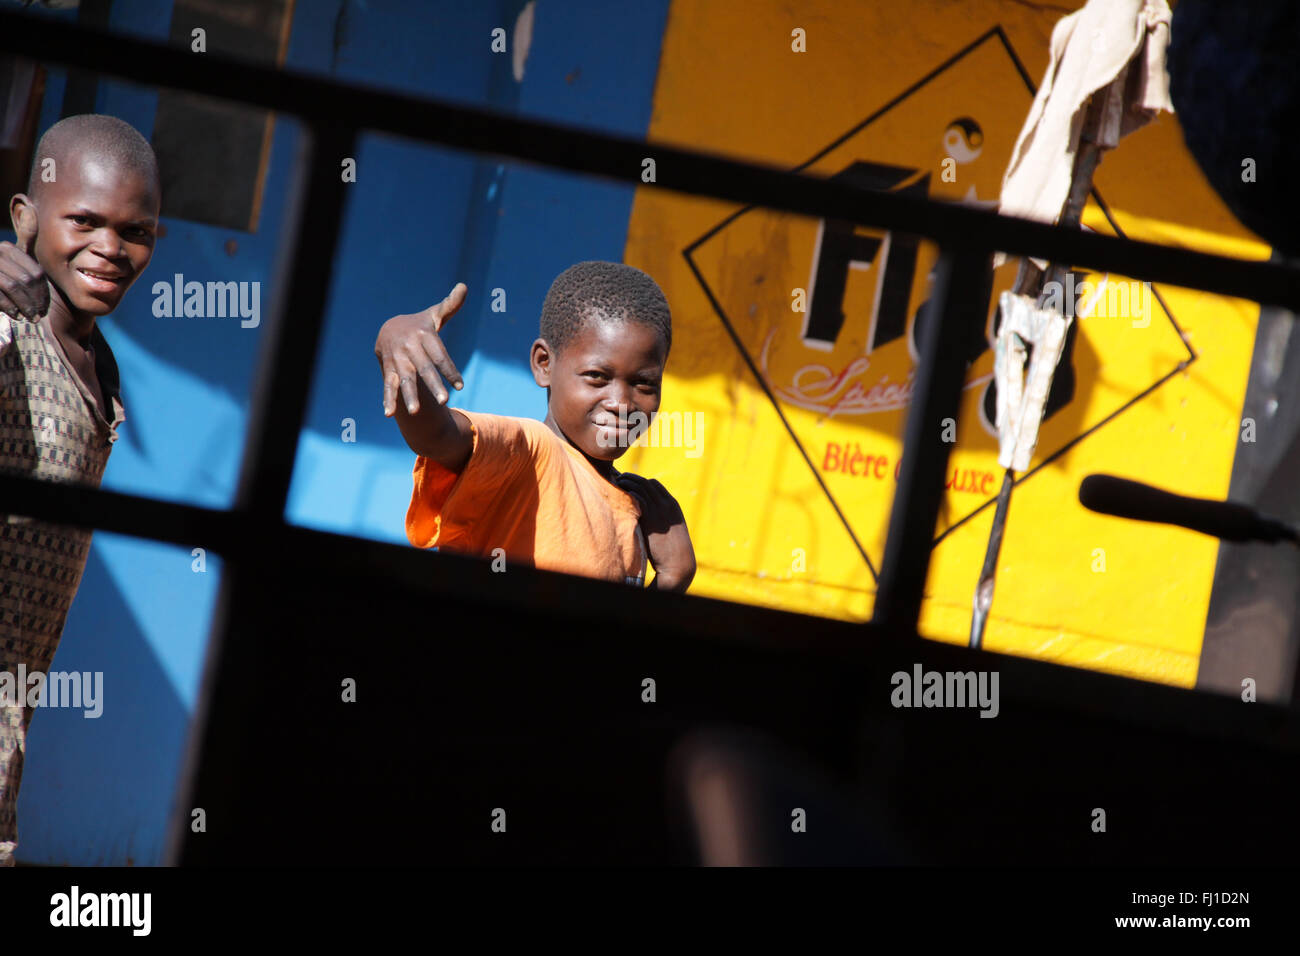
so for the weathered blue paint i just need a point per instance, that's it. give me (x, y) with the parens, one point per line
(98, 791)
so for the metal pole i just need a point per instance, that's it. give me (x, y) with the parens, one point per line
(1085, 164)
(939, 378)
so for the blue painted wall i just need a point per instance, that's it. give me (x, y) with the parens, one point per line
(98, 791)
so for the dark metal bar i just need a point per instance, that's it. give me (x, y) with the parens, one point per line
(285, 364)
(63, 503)
(82, 89)
(290, 342)
(954, 308)
(330, 103)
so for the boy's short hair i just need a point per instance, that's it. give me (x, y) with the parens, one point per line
(94, 134)
(607, 290)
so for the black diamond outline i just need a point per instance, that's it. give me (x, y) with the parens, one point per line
(1182, 365)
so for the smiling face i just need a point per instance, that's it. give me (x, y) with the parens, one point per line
(610, 371)
(95, 228)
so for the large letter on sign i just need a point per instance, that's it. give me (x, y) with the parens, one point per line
(840, 245)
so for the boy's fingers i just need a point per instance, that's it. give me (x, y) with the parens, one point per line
(41, 296)
(410, 394)
(449, 306)
(20, 255)
(642, 488)
(407, 383)
(436, 352)
(428, 370)
(634, 486)
(648, 486)
(433, 383)
(391, 380)
(17, 287)
(10, 307)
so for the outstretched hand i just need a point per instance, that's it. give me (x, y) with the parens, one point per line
(408, 347)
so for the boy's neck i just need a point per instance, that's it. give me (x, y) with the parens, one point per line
(603, 468)
(67, 322)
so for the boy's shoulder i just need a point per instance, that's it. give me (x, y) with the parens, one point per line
(507, 441)
(490, 425)
(513, 439)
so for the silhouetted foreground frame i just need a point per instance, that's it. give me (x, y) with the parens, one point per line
(530, 683)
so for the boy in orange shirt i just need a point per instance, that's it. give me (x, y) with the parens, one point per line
(546, 493)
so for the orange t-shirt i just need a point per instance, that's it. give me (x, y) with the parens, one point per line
(530, 492)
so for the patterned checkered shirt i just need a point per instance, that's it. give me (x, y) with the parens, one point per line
(51, 427)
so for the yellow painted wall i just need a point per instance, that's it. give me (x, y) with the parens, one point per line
(764, 531)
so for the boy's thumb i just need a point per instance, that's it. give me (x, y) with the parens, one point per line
(448, 307)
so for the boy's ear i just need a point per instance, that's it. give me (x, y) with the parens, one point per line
(540, 358)
(22, 213)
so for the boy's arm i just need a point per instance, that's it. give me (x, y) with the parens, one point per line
(664, 526)
(411, 354)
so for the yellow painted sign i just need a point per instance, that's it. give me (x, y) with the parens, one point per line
(794, 339)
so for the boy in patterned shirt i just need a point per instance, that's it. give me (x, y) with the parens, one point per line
(85, 230)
